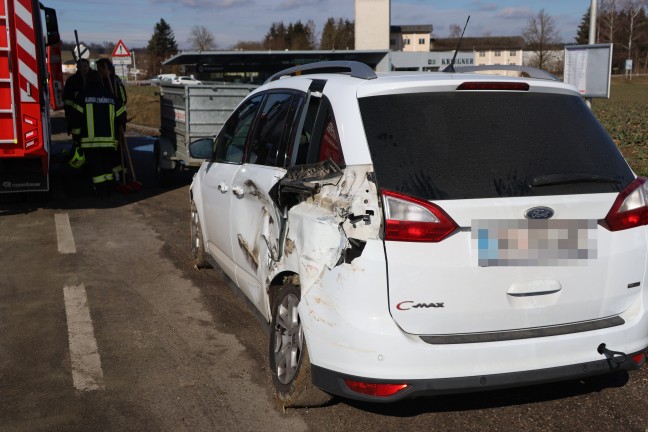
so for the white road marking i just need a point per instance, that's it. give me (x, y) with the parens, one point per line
(64, 234)
(86, 364)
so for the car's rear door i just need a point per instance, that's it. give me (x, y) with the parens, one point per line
(490, 162)
(256, 220)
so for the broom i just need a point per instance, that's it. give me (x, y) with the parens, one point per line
(133, 184)
(126, 186)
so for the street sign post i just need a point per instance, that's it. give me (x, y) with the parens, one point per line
(121, 58)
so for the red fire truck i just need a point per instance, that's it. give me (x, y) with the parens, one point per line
(26, 29)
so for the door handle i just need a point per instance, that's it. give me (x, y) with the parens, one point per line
(237, 190)
(223, 188)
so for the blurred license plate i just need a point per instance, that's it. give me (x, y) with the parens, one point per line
(515, 242)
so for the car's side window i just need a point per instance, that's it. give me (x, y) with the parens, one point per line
(324, 142)
(303, 142)
(230, 142)
(330, 147)
(268, 146)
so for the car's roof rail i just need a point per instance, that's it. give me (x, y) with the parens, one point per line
(354, 68)
(530, 71)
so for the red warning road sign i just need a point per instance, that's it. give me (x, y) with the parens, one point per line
(121, 50)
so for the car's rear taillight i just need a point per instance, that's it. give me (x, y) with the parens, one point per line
(415, 220)
(630, 208)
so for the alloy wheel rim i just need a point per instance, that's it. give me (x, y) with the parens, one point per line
(289, 338)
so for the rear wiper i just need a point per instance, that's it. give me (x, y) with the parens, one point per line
(557, 179)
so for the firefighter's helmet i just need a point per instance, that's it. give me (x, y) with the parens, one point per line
(78, 158)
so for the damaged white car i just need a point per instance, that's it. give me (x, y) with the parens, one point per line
(425, 233)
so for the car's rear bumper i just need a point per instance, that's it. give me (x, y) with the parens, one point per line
(350, 333)
(335, 383)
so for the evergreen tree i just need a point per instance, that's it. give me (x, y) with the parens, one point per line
(337, 35)
(297, 36)
(582, 36)
(162, 44)
(327, 41)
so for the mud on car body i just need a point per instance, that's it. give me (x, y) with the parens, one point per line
(421, 234)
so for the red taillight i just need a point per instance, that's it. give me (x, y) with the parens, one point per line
(415, 220)
(630, 209)
(375, 389)
(515, 86)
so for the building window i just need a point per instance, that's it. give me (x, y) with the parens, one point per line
(512, 53)
(421, 41)
(498, 53)
(392, 42)
(482, 53)
(406, 42)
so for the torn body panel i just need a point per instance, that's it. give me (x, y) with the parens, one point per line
(322, 227)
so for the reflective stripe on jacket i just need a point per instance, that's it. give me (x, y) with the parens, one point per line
(95, 115)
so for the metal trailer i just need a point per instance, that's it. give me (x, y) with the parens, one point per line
(189, 113)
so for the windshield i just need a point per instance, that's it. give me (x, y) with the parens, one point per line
(459, 145)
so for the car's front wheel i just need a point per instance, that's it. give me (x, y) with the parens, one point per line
(289, 361)
(197, 245)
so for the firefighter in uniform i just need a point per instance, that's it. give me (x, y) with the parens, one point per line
(96, 115)
(74, 85)
(111, 81)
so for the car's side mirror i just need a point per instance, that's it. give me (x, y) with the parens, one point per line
(202, 148)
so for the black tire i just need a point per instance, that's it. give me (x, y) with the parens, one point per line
(288, 354)
(163, 177)
(197, 245)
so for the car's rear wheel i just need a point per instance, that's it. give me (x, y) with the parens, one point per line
(289, 360)
(197, 245)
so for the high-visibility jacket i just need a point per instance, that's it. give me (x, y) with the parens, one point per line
(73, 85)
(96, 113)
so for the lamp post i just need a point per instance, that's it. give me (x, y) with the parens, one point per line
(592, 34)
(592, 27)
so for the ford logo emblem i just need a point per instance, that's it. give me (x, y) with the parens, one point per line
(539, 213)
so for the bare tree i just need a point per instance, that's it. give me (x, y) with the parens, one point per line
(541, 37)
(201, 39)
(607, 20)
(455, 31)
(632, 8)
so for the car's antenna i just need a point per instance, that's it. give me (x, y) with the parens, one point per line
(450, 67)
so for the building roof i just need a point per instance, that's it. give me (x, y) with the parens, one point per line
(421, 28)
(479, 43)
(268, 62)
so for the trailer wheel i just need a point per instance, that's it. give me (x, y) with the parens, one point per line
(288, 354)
(163, 176)
(197, 245)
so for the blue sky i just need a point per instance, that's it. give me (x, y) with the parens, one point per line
(231, 21)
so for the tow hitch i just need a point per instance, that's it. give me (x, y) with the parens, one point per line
(619, 358)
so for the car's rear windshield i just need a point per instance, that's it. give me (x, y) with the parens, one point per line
(460, 145)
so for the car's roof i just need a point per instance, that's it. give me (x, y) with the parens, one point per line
(406, 82)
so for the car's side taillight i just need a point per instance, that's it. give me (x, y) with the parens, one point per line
(630, 209)
(415, 220)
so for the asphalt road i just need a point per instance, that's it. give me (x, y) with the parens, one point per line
(106, 326)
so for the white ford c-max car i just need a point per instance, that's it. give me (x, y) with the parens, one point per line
(425, 233)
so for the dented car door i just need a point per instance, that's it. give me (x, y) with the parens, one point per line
(255, 218)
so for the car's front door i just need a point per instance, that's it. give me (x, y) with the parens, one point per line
(218, 179)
